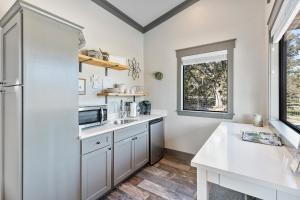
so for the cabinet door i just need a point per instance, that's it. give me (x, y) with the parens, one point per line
(12, 142)
(141, 150)
(123, 160)
(12, 52)
(96, 173)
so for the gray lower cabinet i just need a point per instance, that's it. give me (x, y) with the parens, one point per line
(96, 166)
(123, 159)
(141, 150)
(130, 152)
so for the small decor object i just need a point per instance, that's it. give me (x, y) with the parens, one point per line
(82, 86)
(262, 138)
(139, 90)
(122, 87)
(91, 53)
(134, 69)
(82, 41)
(96, 84)
(102, 55)
(105, 55)
(258, 120)
(295, 165)
(158, 75)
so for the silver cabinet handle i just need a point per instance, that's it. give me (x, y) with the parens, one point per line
(2, 91)
(98, 142)
(2, 82)
(109, 148)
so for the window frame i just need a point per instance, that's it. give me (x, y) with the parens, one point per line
(228, 45)
(283, 85)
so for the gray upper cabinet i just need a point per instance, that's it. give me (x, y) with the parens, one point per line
(96, 173)
(141, 150)
(131, 151)
(12, 52)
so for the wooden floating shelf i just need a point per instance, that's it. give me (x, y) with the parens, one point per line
(122, 95)
(101, 63)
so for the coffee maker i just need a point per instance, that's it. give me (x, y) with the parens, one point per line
(145, 107)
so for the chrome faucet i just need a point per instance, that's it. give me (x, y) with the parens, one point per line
(122, 110)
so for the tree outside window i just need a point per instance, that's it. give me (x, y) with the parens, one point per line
(205, 80)
(290, 75)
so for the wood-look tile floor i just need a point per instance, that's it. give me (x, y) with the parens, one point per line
(168, 179)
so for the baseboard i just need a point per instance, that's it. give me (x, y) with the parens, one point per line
(187, 157)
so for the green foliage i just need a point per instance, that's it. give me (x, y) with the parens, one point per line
(292, 39)
(205, 86)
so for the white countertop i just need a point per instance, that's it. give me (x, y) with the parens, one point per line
(225, 152)
(109, 126)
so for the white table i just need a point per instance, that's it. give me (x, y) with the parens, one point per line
(254, 169)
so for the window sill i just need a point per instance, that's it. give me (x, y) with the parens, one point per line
(217, 115)
(289, 135)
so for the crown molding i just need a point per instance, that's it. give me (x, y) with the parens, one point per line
(143, 29)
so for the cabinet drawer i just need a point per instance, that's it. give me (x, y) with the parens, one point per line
(97, 142)
(130, 131)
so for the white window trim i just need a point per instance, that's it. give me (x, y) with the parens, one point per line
(286, 15)
(289, 135)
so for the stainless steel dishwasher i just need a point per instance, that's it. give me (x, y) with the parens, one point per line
(157, 140)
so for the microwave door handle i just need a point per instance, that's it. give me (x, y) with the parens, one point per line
(102, 115)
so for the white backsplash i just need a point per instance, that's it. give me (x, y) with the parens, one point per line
(114, 77)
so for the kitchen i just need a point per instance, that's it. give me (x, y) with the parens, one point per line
(107, 100)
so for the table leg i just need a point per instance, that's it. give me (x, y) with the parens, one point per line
(202, 186)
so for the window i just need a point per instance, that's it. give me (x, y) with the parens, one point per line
(205, 80)
(289, 106)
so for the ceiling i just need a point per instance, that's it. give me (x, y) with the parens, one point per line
(144, 14)
(145, 11)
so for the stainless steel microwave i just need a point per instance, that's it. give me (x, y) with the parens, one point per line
(90, 116)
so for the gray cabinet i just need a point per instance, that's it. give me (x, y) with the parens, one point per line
(11, 103)
(141, 150)
(131, 151)
(96, 173)
(96, 166)
(39, 76)
(12, 51)
(123, 159)
(12, 147)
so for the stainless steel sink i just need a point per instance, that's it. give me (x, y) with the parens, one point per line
(124, 121)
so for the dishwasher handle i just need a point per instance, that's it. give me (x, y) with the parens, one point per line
(156, 121)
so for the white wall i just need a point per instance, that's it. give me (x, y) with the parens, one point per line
(102, 30)
(206, 22)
